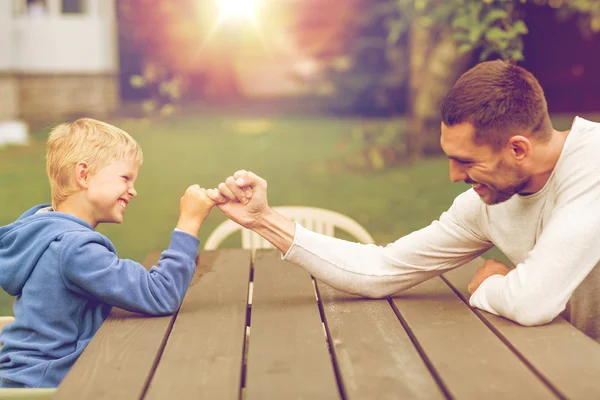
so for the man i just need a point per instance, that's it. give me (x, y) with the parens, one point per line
(535, 195)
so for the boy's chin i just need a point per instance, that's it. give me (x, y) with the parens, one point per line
(112, 221)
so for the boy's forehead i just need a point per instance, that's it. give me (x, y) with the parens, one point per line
(124, 164)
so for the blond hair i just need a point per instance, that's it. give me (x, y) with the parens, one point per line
(86, 140)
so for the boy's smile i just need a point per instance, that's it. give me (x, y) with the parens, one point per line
(109, 192)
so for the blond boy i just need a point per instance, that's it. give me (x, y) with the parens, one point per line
(64, 274)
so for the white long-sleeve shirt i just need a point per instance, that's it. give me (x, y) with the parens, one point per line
(552, 236)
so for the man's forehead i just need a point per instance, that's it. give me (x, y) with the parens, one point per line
(464, 130)
(457, 136)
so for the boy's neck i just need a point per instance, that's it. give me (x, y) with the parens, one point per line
(72, 205)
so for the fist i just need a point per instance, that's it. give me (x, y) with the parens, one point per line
(195, 204)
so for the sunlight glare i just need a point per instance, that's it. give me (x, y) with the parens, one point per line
(236, 9)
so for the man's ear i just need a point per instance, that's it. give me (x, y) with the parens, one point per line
(520, 148)
(81, 175)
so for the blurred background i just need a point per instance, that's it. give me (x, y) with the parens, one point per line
(334, 102)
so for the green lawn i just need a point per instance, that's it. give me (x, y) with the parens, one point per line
(291, 153)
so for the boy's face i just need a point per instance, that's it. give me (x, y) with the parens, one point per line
(110, 190)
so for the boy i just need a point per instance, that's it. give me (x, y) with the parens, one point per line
(64, 274)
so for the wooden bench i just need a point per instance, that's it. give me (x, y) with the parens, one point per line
(266, 330)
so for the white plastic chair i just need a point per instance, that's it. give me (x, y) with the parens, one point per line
(5, 320)
(316, 219)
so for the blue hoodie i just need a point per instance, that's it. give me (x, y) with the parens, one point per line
(66, 277)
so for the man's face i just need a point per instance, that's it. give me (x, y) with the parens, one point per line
(491, 173)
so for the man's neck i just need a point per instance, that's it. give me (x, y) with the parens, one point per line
(544, 161)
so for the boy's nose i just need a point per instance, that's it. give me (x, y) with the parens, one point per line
(132, 192)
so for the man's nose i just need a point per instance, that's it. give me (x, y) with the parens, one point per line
(132, 192)
(457, 173)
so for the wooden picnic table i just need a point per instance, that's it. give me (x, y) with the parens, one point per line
(264, 329)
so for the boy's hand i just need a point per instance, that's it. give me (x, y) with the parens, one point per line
(194, 207)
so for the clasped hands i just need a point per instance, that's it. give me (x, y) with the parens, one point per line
(242, 197)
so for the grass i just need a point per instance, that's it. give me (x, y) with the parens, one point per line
(292, 153)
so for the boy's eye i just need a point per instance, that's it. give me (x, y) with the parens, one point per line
(125, 178)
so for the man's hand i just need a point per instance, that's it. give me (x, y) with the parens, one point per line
(194, 207)
(242, 198)
(489, 268)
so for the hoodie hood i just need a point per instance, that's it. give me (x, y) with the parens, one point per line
(23, 242)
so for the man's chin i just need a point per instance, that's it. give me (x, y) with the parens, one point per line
(486, 199)
(491, 200)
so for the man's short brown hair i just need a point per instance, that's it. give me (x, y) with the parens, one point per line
(500, 99)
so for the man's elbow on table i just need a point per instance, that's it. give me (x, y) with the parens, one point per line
(526, 306)
(532, 319)
(533, 312)
(374, 293)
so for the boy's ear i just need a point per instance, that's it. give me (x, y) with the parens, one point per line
(81, 175)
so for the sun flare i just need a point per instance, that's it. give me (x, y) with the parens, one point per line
(238, 9)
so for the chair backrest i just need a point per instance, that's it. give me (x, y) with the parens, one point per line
(5, 320)
(316, 219)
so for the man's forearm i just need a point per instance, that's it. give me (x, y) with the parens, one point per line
(277, 229)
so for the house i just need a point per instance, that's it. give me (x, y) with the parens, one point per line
(58, 59)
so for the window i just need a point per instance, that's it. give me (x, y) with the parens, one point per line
(73, 6)
(37, 8)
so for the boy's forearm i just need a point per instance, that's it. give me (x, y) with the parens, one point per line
(189, 225)
(277, 229)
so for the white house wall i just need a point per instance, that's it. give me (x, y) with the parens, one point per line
(58, 43)
(65, 45)
(5, 35)
(57, 66)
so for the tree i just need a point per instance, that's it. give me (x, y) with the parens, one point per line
(445, 34)
(443, 38)
(359, 69)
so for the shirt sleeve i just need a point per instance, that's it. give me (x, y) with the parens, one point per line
(90, 267)
(378, 271)
(538, 289)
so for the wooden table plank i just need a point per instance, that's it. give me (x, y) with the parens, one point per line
(288, 356)
(472, 362)
(120, 358)
(203, 356)
(563, 355)
(375, 355)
